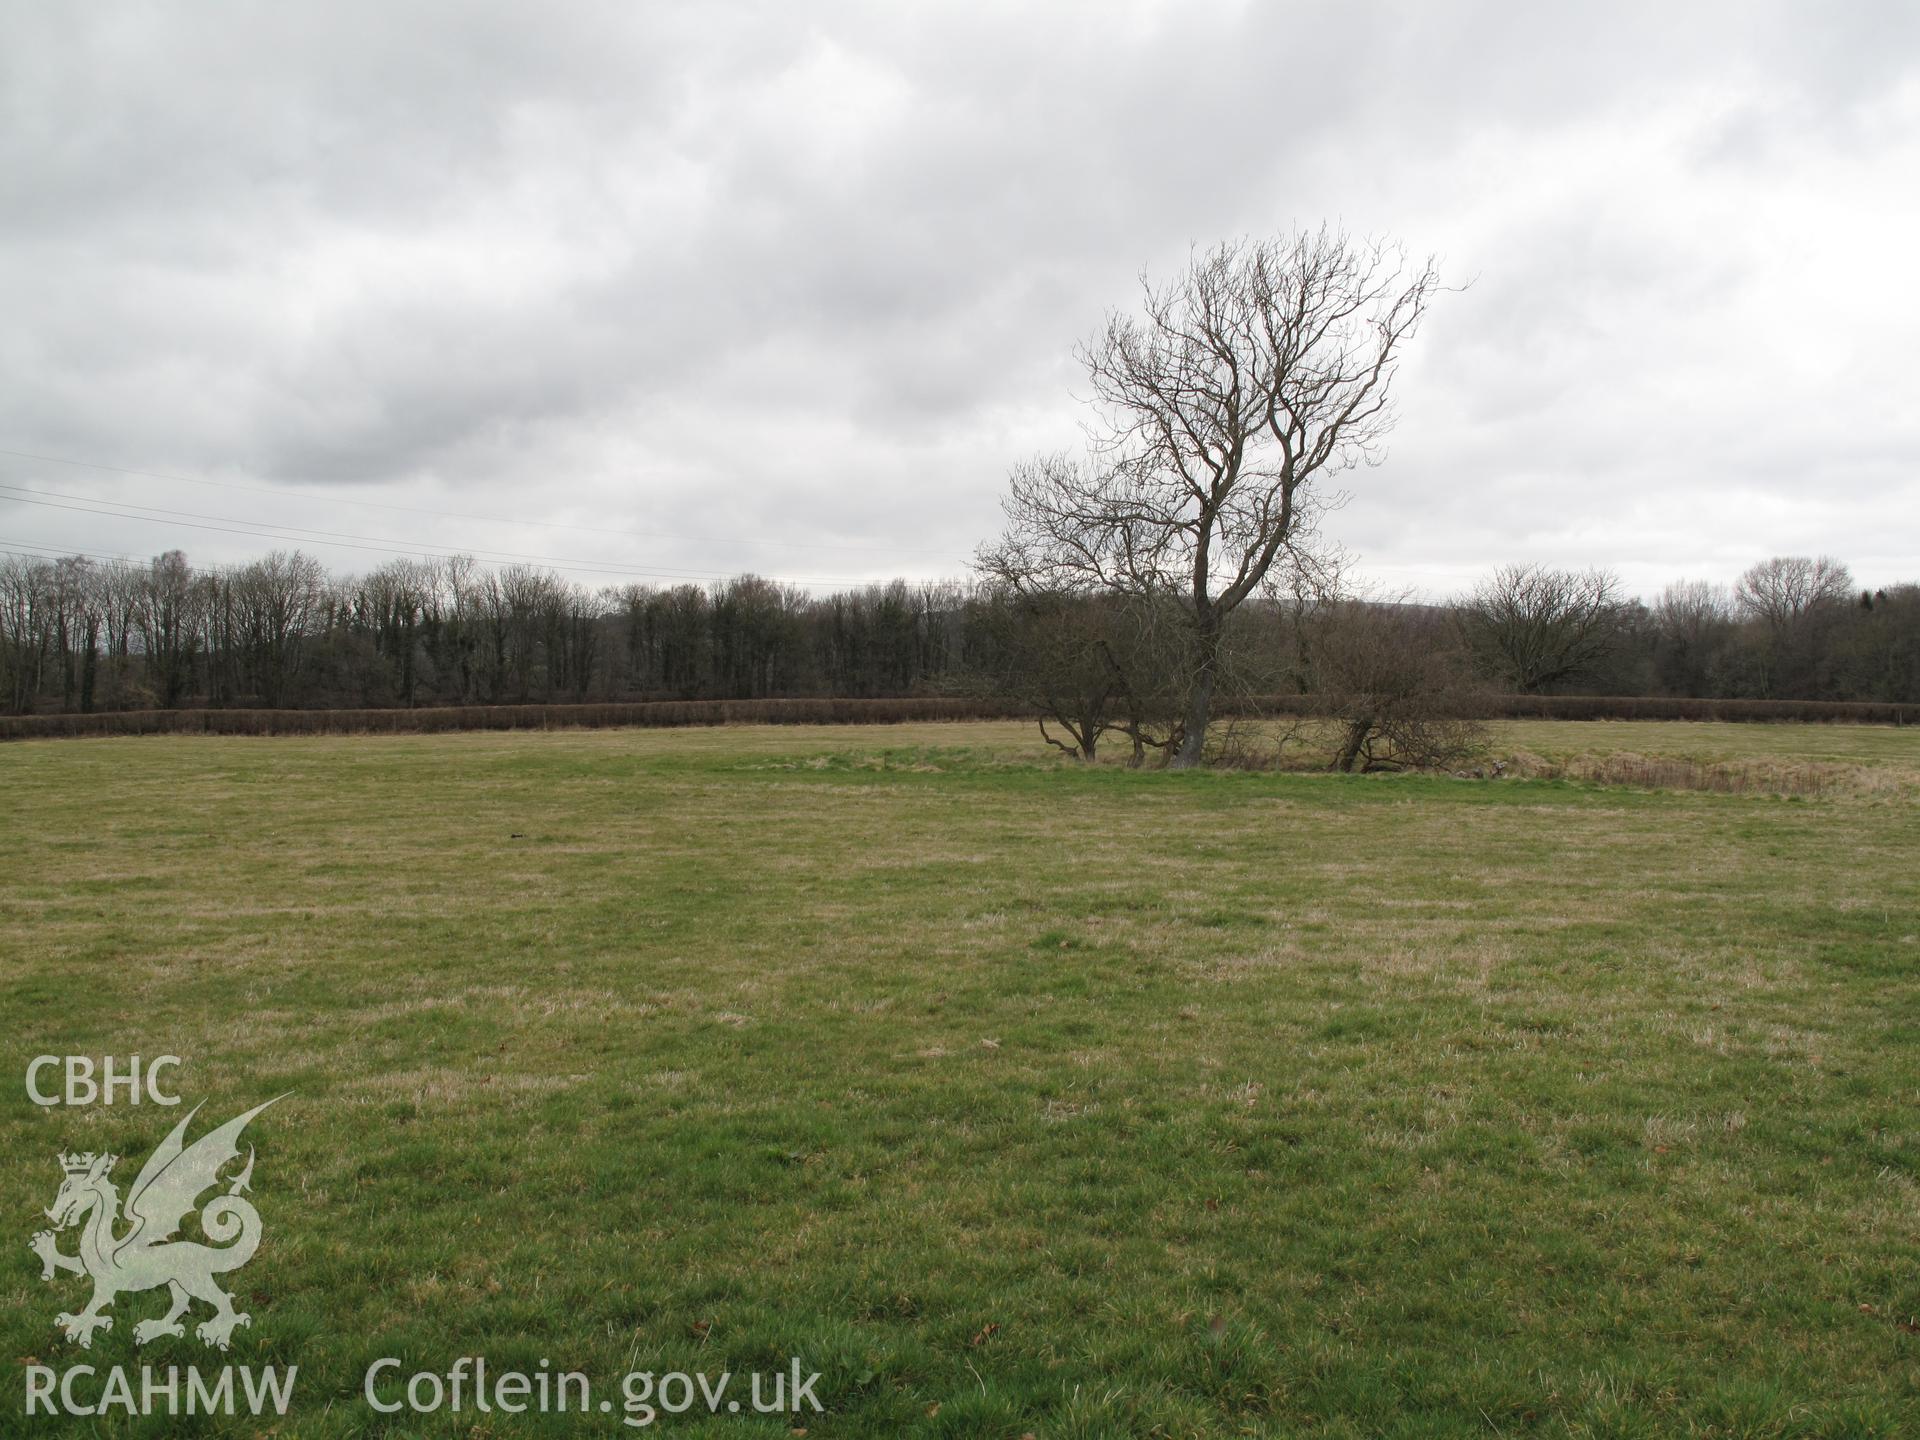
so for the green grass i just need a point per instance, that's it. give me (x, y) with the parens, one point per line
(1012, 1096)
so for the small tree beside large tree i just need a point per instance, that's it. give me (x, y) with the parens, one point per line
(1396, 683)
(1248, 381)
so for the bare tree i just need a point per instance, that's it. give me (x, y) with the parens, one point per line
(1785, 589)
(1796, 604)
(1053, 652)
(279, 600)
(121, 586)
(1265, 367)
(1395, 679)
(393, 602)
(1533, 627)
(1691, 622)
(79, 612)
(1691, 607)
(1090, 663)
(570, 619)
(26, 628)
(168, 621)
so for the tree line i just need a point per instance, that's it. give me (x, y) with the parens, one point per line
(281, 632)
(80, 635)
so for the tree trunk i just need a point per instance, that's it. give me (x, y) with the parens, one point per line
(1193, 738)
(88, 667)
(1357, 733)
(1199, 706)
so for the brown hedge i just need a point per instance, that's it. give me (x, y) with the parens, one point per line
(428, 720)
(1635, 707)
(854, 712)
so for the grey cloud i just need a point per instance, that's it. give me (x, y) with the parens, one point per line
(813, 272)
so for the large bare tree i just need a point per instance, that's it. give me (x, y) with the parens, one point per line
(1535, 627)
(278, 603)
(1264, 368)
(1797, 603)
(168, 610)
(1785, 589)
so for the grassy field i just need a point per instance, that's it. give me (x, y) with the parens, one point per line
(1878, 746)
(1010, 1096)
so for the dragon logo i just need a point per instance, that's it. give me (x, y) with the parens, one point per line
(146, 1256)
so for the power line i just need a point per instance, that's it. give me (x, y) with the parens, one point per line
(458, 514)
(49, 552)
(187, 519)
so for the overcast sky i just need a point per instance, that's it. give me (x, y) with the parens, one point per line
(685, 290)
